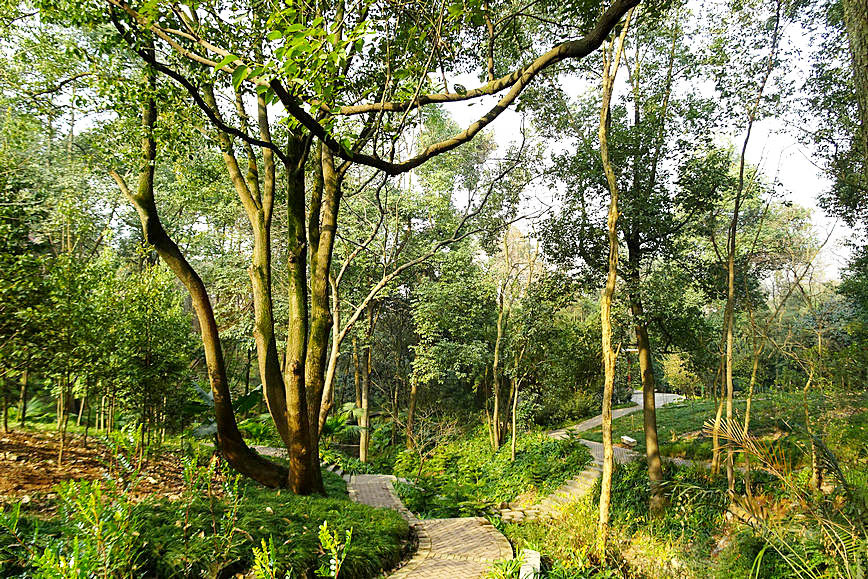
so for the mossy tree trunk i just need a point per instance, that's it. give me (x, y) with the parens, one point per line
(231, 443)
(611, 60)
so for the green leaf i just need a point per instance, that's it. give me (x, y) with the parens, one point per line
(274, 35)
(230, 58)
(239, 75)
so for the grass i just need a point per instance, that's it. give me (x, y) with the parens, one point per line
(679, 427)
(776, 417)
(465, 477)
(677, 544)
(211, 530)
(291, 521)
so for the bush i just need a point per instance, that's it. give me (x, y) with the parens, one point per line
(465, 477)
(214, 528)
(558, 408)
(348, 464)
(696, 506)
(290, 521)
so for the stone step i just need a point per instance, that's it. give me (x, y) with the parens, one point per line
(578, 484)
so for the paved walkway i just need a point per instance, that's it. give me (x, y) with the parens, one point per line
(582, 484)
(660, 399)
(448, 548)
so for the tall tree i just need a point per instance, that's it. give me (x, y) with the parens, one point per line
(611, 60)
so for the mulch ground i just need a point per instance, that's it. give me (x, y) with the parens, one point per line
(29, 470)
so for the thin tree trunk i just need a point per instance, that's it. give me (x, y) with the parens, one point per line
(731, 244)
(365, 418)
(87, 425)
(816, 473)
(610, 70)
(730, 298)
(357, 373)
(247, 373)
(495, 370)
(649, 411)
(718, 417)
(22, 399)
(514, 429)
(83, 402)
(5, 407)
(64, 418)
(411, 412)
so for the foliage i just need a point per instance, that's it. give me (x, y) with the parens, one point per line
(696, 506)
(566, 544)
(453, 314)
(214, 526)
(335, 550)
(348, 464)
(465, 477)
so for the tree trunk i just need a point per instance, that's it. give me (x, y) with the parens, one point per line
(855, 13)
(367, 362)
(365, 418)
(646, 370)
(83, 402)
(297, 328)
(22, 399)
(495, 372)
(258, 203)
(357, 376)
(411, 412)
(730, 322)
(64, 418)
(231, 443)
(514, 429)
(610, 70)
(816, 472)
(247, 373)
(87, 425)
(5, 402)
(322, 223)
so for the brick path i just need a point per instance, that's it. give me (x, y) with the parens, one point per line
(448, 548)
(660, 399)
(582, 484)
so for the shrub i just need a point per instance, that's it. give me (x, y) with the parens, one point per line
(213, 529)
(696, 506)
(465, 477)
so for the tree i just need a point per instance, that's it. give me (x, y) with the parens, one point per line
(750, 99)
(513, 272)
(454, 314)
(611, 60)
(660, 139)
(269, 61)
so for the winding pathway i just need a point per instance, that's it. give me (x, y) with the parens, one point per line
(448, 548)
(582, 484)
(466, 547)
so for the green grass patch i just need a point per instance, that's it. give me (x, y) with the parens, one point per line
(680, 425)
(211, 531)
(778, 418)
(465, 477)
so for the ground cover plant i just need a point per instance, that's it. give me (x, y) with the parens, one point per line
(774, 417)
(210, 527)
(466, 477)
